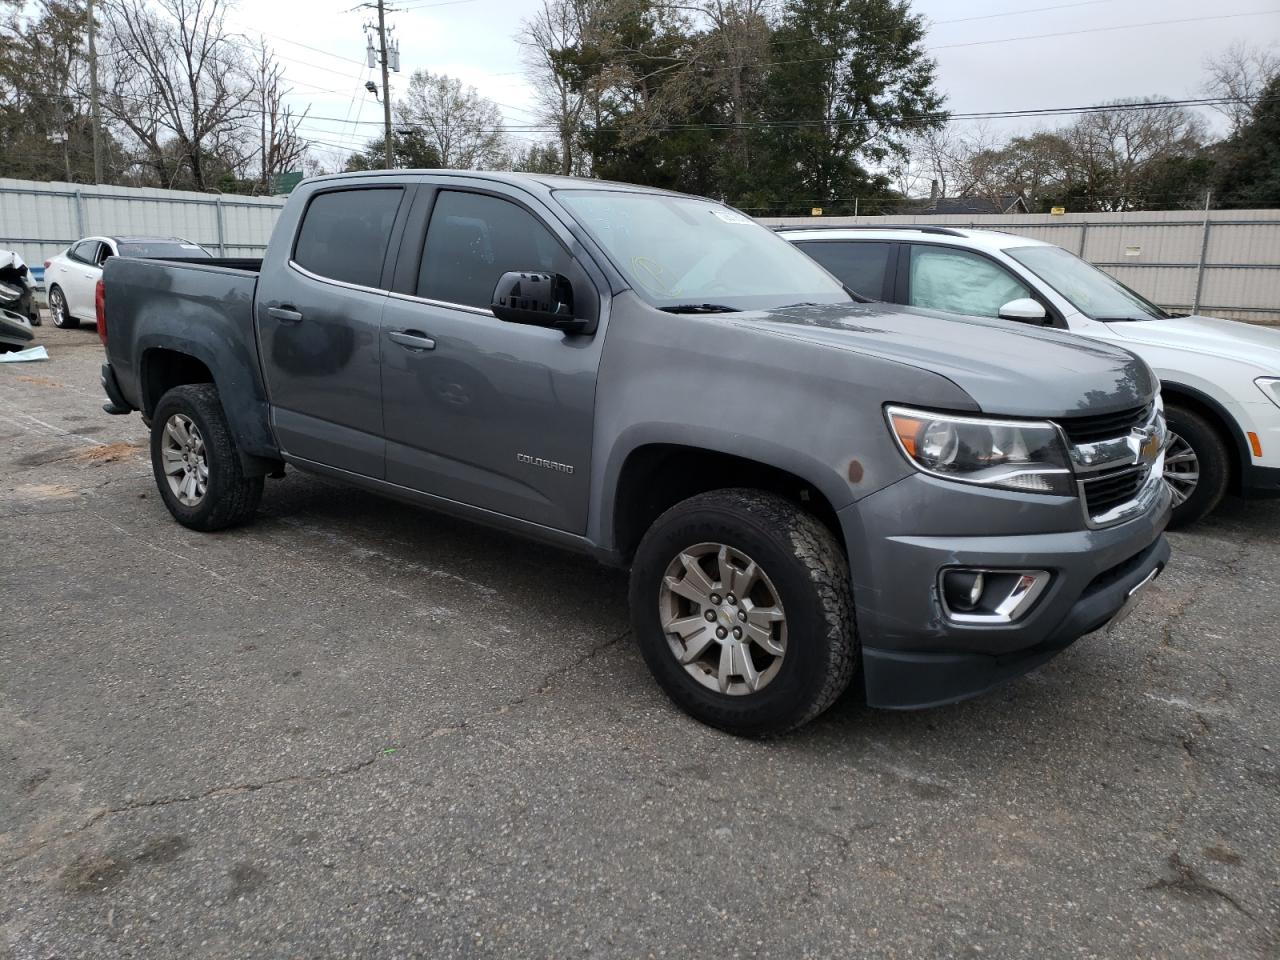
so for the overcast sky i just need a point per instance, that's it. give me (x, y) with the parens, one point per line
(980, 65)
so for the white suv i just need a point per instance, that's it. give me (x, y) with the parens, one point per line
(1221, 378)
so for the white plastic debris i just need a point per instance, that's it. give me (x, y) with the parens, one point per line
(21, 356)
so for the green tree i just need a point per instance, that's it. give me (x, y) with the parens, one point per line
(1248, 168)
(45, 127)
(850, 80)
(538, 158)
(410, 150)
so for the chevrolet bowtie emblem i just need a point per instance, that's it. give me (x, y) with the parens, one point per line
(1145, 445)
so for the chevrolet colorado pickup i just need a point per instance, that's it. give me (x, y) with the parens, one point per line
(807, 488)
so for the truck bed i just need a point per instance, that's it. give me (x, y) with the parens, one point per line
(197, 308)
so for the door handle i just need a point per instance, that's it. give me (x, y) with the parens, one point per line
(284, 314)
(412, 339)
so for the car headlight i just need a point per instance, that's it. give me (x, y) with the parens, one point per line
(1028, 456)
(1271, 387)
(10, 291)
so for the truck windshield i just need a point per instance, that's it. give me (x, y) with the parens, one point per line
(690, 255)
(1090, 291)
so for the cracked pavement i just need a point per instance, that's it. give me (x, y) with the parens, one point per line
(356, 729)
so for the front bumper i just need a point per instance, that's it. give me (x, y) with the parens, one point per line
(900, 537)
(1258, 483)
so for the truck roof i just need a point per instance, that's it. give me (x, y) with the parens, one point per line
(547, 181)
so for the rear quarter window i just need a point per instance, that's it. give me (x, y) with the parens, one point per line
(345, 233)
(861, 265)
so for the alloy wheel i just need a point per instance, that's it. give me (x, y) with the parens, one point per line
(723, 619)
(58, 307)
(186, 466)
(1181, 469)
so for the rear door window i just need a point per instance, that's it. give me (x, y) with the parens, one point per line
(860, 265)
(474, 238)
(957, 281)
(345, 233)
(86, 251)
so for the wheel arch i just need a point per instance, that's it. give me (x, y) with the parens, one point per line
(163, 366)
(656, 476)
(1219, 417)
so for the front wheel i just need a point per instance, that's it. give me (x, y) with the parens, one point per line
(743, 610)
(58, 309)
(1195, 465)
(195, 461)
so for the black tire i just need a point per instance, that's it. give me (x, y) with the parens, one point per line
(231, 498)
(34, 317)
(811, 575)
(1210, 449)
(62, 318)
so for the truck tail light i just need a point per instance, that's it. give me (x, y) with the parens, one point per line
(100, 310)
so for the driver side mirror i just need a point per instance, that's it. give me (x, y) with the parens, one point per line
(538, 299)
(1024, 310)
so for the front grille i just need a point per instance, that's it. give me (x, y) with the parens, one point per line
(1104, 426)
(1109, 490)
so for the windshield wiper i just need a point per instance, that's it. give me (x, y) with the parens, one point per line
(699, 308)
(1122, 319)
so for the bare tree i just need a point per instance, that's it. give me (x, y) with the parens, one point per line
(563, 93)
(1112, 148)
(181, 85)
(463, 126)
(281, 148)
(1239, 75)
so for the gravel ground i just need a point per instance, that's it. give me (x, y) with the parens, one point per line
(355, 729)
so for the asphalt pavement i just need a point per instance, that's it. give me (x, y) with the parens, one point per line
(357, 729)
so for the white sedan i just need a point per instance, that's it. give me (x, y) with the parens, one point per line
(72, 276)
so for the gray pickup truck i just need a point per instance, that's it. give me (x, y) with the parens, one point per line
(807, 488)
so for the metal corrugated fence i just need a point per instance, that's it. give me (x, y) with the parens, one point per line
(41, 219)
(1225, 263)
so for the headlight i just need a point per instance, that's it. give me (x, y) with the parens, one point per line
(1009, 454)
(11, 292)
(1271, 387)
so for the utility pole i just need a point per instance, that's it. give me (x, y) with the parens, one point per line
(386, 85)
(93, 97)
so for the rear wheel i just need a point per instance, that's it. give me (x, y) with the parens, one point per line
(62, 317)
(1196, 468)
(195, 461)
(743, 610)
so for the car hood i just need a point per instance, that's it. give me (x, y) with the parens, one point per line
(1212, 336)
(1007, 369)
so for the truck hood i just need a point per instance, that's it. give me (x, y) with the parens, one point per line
(1007, 369)
(1211, 336)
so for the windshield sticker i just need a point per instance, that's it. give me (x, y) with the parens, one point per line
(730, 216)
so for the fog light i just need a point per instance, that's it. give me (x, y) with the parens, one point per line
(963, 588)
(977, 596)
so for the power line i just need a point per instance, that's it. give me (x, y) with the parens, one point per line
(1125, 26)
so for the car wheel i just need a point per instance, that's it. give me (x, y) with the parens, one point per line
(1196, 465)
(195, 461)
(62, 317)
(742, 606)
(34, 317)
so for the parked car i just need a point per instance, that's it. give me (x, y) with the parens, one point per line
(71, 276)
(1220, 378)
(17, 288)
(804, 486)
